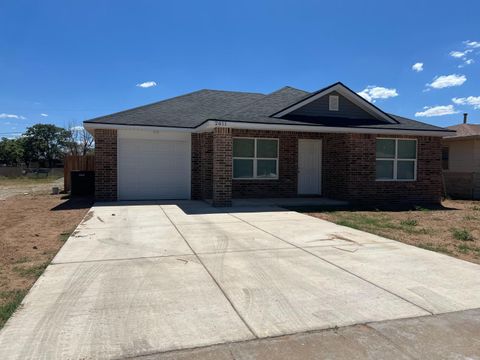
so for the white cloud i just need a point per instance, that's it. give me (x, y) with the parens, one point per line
(460, 54)
(11, 116)
(147, 84)
(466, 62)
(471, 100)
(444, 81)
(43, 114)
(417, 67)
(441, 110)
(371, 93)
(472, 44)
(77, 128)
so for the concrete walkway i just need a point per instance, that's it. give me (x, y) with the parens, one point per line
(148, 278)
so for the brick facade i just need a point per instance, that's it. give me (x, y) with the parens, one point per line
(105, 164)
(348, 168)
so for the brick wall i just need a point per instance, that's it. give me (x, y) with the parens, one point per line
(286, 185)
(105, 164)
(202, 166)
(222, 167)
(348, 170)
(361, 184)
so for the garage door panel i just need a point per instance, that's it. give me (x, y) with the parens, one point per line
(153, 168)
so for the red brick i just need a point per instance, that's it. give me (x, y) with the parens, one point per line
(106, 164)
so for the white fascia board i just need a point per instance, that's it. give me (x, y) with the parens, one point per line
(212, 124)
(354, 98)
(318, 129)
(90, 127)
(460, 138)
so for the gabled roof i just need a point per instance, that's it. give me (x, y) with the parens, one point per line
(343, 90)
(193, 110)
(464, 130)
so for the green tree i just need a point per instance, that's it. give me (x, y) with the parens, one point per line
(11, 151)
(45, 142)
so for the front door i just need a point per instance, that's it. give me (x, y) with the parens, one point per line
(309, 167)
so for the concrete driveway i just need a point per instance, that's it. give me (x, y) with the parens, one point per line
(149, 278)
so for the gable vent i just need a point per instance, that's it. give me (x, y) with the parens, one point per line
(333, 103)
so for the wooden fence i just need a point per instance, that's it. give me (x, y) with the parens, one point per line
(75, 162)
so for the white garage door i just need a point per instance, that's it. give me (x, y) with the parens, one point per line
(153, 165)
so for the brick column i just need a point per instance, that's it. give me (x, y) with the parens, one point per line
(106, 164)
(196, 186)
(222, 167)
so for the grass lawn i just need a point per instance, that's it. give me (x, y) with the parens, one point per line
(32, 230)
(453, 229)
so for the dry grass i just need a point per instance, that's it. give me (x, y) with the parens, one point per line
(453, 230)
(32, 229)
(26, 180)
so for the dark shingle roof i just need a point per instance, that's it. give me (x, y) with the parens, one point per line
(185, 111)
(464, 130)
(193, 109)
(268, 104)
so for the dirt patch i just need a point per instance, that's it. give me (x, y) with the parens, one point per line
(32, 230)
(30, 186)
(453, 229)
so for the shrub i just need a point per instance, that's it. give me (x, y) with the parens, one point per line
(462, 234)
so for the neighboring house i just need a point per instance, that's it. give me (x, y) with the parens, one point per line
(219, 145)
(461, 161)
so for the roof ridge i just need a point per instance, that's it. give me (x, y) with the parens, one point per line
(288, 87)
(263, 98)
(229, 91)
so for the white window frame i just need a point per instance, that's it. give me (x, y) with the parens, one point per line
(396, 159)
(255, 158)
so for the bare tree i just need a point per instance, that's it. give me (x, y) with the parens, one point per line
(80, 141)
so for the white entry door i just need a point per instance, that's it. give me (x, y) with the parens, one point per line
(309, 167)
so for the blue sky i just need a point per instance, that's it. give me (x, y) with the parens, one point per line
(76, 60)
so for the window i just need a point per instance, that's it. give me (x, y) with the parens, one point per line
(333, 103)
(255, 158)
(445, 157)
(396, 159)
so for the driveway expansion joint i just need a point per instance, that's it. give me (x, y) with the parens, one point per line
(211, 275)
(119, 259)
(333, 264)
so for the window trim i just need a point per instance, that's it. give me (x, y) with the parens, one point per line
(254, 158)
(396, 159)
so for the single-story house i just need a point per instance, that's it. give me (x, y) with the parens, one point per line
(461, 161)
(222, 145)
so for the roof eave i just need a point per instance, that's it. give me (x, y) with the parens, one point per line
(210, 124)
(461, 137)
